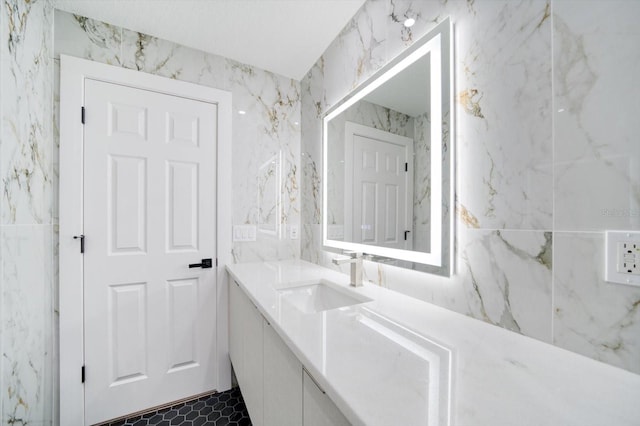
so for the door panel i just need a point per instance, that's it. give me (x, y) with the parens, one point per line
(392, 227)
(182, 301)
(127, 189)
(182, 129)
(127, 121)
(382, 182)
(149, 194)
(366, 224)
(182, 195)
(128, 315)
(381, 202)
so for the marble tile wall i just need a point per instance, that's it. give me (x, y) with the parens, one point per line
(422, 182)
(27, 321)
(596, 175)
(547, 159)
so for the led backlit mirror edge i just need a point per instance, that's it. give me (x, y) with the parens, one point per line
(439, 43)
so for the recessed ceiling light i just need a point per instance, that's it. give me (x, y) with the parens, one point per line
(241, 112)
(409, 22)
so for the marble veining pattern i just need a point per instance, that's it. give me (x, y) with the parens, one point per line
(26, 213)
(597, 164)
(503, 93)
(270, 130)
(357, 52)
(87, 38)
(27, 325)
(26, 113)
(503, 278)
(149, 54)
(591, 316)
(596, 176)
(422, 182)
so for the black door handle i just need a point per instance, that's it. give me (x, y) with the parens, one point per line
(206, 264)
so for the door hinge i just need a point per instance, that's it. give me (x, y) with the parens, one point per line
(82, 115)
(216, 262)
(405, 235)
(406, 165)
(82, 374)
(81, 238)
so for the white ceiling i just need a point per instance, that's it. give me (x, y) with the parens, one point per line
(283, 36)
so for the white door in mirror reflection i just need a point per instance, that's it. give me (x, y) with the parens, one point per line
(379, 188)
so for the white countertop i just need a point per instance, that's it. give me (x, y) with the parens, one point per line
(399, 361)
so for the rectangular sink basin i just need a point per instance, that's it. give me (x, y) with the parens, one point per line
(321, 296)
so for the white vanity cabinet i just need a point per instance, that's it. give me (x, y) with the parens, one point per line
(282, 382)
(246, 335)
(318, 409)
(270, 375)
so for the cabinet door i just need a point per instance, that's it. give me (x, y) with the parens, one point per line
(282, 382)
(253, 380)
(245, 350)
(236, 314)
(318, 409)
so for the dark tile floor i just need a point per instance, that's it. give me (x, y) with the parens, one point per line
(220, 409)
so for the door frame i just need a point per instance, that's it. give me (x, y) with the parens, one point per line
(73, 72)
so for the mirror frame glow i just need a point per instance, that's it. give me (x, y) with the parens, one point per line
(435, 44)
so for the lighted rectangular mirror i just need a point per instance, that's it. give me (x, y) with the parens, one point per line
(388, 161)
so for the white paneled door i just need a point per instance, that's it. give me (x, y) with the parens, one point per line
(379, 187)
(149, 213)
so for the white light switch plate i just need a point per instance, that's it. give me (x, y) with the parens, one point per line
(243, 233)
(622, 257)
(335, 232)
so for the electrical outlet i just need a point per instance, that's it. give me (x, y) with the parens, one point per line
(629, 258)
(293, 232)
(622, 264)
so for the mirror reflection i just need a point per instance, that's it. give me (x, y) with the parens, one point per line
(378, 165)
(387, 161)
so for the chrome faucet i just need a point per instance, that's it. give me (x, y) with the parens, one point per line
(356, 267)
